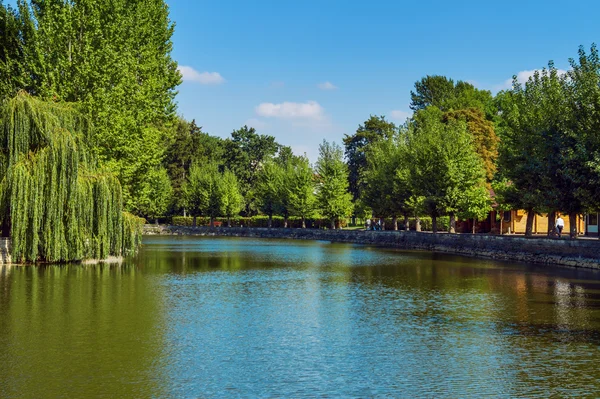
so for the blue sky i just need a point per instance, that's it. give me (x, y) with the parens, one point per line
(307, 70)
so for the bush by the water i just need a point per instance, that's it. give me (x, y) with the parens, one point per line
(295, 222)
(255, 221)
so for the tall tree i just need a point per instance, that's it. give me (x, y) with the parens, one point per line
(484, 136)
(582, 158)
(374, 129)
(114, 58)
(157, 194)
(443, 93)
(244, 153)
(203, 191)
(232, 201)
(55, 200)
(334, 199)
(443, 164)
(301, 189)
(268, 189)
(537, 155)
(388, 190)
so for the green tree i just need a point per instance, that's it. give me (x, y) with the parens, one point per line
(157, 194)
(484, 136)
(537, 151)
(355, 147)
(203, 191)
(334, 199)
(388, 190)
(114, 59)
(581, 159)
(443, 165)
(244, 154)
(301, 189)
(443, 93)
(55, 201)
(268, 189)
(232, 199)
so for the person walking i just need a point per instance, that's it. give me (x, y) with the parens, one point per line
(560, 225)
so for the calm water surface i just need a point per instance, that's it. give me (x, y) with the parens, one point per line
(205, 317)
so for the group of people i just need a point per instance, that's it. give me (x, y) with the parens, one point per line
(377, 225)
(373, 225)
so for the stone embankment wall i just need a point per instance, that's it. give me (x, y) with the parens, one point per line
(565, 252)
(4, 251)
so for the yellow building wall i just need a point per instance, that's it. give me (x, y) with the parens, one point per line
(540, 223)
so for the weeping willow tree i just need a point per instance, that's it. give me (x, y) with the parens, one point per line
(56, 203)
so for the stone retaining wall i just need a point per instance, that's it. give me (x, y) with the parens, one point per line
(566, 252)
(4, 251)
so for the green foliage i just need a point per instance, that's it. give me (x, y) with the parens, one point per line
(232, 201)
(268, 188)
(244, 153)
(261, 221)
(484, 136)
(443, 164)
(203, 190)
(157, 194)
(113, 58)
(59, 205)
(300, 187)
(389, 191)
(581, 159)
(442, 93)
(334, 199)
(374, 129)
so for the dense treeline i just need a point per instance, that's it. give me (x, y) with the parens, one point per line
(536, 145)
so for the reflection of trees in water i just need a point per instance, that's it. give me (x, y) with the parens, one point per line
(86, 330)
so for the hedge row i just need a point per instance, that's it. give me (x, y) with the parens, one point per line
(254, 221)
(296, 222)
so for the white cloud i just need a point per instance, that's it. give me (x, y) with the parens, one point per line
(189, 74)
(400, 115)
(523, 77)
(288, 110)
(327, 86)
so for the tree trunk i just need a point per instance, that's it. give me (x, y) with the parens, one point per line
(382, 221)
(212, 222)
(395, 223)
(228, 222)
(184, 213)
(156, 221)
(434, 224)
(573, 225)
(529, 226)
(332, 224)
(418, 224)
(452, 226)
(551, 223)
(285, 222)
(194, 224)
(270, 223)
(406, 223)
(303, 222)
(474, 222)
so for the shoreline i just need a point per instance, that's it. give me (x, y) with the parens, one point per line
(539, 250)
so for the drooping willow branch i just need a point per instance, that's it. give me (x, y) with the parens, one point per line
(58, 203)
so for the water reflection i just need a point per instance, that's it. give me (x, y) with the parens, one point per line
(196, 317)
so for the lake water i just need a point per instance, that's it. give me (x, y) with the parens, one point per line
(224, 317)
